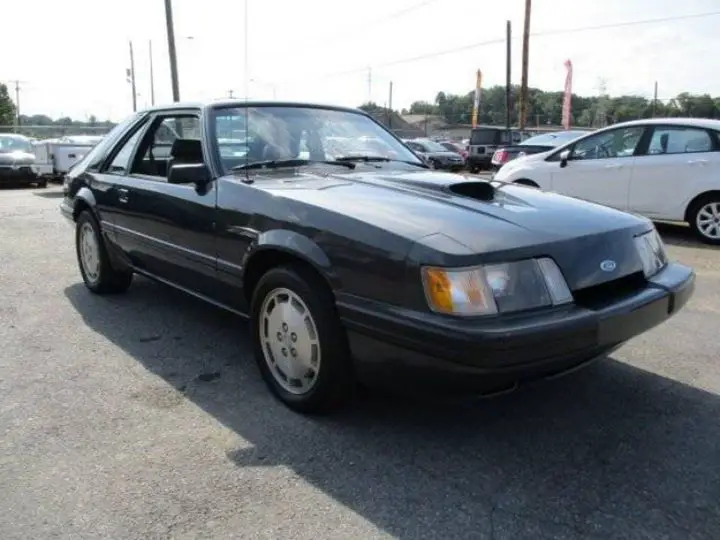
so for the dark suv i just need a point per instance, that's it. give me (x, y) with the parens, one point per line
(484, 140)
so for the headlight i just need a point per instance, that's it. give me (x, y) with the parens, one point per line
(495, 288)
(652, 252)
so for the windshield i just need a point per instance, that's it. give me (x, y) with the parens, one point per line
(256, 134)
(14, 144)
(553, 139)
(488, 136)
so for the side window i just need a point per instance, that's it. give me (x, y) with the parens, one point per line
(121, 162)
(609, 144)
(154, 152)
(416, 147)
(94, 159)
(679, 140)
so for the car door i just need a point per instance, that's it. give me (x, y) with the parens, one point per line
(599, 167)
(110, 190)
(170, 226)
(680, 163)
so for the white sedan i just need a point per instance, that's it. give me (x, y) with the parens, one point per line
(664, 168)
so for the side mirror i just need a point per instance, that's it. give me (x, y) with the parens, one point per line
(564, 157)
(189, 173)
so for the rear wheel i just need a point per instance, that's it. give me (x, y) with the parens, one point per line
(704, 218)
(300, 345)
(95, 267)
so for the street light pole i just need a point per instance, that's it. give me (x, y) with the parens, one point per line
(171, 51)
(152, 75)
(132, 78)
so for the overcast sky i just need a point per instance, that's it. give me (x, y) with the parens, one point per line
(71, 55)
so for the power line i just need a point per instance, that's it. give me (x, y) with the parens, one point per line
(539, 34)
(322, 40)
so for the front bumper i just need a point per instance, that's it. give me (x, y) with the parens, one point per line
(451, 165)
(20, 174)
(66, 209)
(407, 349)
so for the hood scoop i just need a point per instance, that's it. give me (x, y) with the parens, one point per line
(480, 191)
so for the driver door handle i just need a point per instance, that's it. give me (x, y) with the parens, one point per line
(123, 195)
(613, 166)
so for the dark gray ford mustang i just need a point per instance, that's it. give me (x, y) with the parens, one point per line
(353, 261)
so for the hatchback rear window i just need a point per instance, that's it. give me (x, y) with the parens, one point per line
(488, 136)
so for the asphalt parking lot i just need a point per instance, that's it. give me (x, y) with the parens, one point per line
(143, 416)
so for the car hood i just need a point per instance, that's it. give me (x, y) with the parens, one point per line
(515, 221)
(16, 158)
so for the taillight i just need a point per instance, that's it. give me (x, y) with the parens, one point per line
(500, 156)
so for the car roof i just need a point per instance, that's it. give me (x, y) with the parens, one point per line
(697, 122)
(225, 103)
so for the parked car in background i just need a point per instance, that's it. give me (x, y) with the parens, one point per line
(436, 155)
(17, 161)
(484, 140)
(534, 145)
(364, 267)
(456, 147)
(667, 169)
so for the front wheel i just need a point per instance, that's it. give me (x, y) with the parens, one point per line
(300, 345)
(95, 267)
(705, 219)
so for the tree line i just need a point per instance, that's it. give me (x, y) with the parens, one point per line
(545, 108)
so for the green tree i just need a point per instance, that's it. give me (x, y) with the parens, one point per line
(7, 107)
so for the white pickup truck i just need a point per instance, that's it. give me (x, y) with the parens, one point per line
(54, 157)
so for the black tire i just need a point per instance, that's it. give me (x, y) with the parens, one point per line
(474, 170)
(693, 212)
(42, 184)
(334, 386)
(109, 280)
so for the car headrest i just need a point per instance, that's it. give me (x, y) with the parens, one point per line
(187, 150)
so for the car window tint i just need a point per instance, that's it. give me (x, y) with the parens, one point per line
(154, 152)
(609, 144)
(121, 162)
(679, 140)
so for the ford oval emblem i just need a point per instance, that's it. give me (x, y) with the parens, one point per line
(608, 265)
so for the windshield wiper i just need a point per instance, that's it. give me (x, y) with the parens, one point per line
(369, 159)
(278, 163)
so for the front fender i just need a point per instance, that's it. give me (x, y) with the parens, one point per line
(294, 244)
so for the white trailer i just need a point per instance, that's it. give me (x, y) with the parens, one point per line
(54, 157)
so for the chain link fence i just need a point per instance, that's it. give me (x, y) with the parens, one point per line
(56, 130)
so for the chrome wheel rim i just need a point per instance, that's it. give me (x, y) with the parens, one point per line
(89, 252)
(708, 220)
(290, 341)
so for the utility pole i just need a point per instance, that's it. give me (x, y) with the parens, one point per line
(152, 75)
(132, 78)
(525, 60)
(246, 51)
(654, 105)
(508, 79)
(171, 51)
(17, 106)
(230, 94)
(369, 81)
(390, 112)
